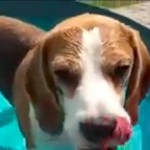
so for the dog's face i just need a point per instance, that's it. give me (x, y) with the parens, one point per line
(94, 67)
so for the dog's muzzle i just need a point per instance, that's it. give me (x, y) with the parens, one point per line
(105, 129)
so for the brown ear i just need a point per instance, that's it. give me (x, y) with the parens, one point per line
(42, 90)
(140, 77)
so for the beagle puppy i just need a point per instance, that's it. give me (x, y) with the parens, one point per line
(16, 38)
(72, 85)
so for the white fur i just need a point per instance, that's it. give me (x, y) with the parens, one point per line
(95, 96)
(44, 141)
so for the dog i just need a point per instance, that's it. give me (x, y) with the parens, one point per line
(16, 38)
(72, 85)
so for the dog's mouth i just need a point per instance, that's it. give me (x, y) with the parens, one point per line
(119, 136)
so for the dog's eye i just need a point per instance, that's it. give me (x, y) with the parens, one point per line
(66, 76)
(63, 75)
(121, 71)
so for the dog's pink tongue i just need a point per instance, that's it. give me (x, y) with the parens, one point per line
(121, 134)
(123, 131)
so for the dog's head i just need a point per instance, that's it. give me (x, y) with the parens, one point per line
(93, 60)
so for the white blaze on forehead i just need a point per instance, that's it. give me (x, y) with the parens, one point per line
(91, 41)
(99, 95)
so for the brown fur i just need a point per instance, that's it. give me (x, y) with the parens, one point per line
(140, 80)
(34, 79)
(16, 38)
(35, 82)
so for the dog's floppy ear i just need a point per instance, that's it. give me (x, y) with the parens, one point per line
(140, 76)
(35, 82)
(41, 87)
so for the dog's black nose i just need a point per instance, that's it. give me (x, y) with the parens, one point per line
(96, 129)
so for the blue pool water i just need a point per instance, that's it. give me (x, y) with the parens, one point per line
(10, 136)
(144, 122)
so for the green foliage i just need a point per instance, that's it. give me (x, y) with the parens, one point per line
(110, 3)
